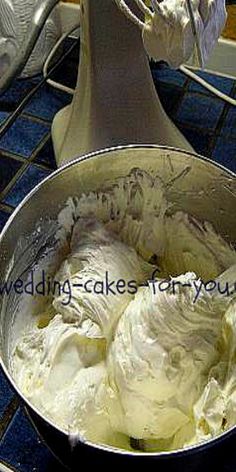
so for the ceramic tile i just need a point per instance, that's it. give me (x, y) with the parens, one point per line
(47, 102)
(9, 168)
(225, 153)
(163, 73)
(170, 97)
(67, 74)
(229, 126)
(29, 452)
(18, 90)
(46, 155)
(223, 84)
(200, 141)
(200, 111)
(31, 177)
(23, 137)
(6, 393)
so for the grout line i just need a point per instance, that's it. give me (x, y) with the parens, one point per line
(27, 161)
(203, 92)
(6, 208)
(185, 89)
(186, 125)
(25, 164)
(216, 132)
(210, 132)
(36, 119)
(16, 177)
(34, 155)
(11, 155)
(9, 104)
(42, 166)
(174, 106)
(233, 91)
(39, 146)
(8, 416)
(219, 127)
(37, 150)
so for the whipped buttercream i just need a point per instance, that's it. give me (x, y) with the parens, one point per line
(165, 346)
(97, 256)
(169, 35)
(154, 365)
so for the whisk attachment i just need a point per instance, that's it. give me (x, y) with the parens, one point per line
(129, 14)
(173, 30)
(195, 32)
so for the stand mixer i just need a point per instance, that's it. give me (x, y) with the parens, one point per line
(115, 101)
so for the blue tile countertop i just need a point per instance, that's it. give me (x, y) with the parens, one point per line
(26, 157)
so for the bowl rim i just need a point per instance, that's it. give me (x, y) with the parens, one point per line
(194, 448)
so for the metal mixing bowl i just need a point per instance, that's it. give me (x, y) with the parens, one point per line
(199, 187)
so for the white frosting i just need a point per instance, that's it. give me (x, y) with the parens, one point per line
(215, 410)
(149, 366)
(97, 258)
(169, 36)
(164, 347)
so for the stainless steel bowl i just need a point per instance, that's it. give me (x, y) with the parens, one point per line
(201, 188)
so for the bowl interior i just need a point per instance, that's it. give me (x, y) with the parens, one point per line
(194, 185)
